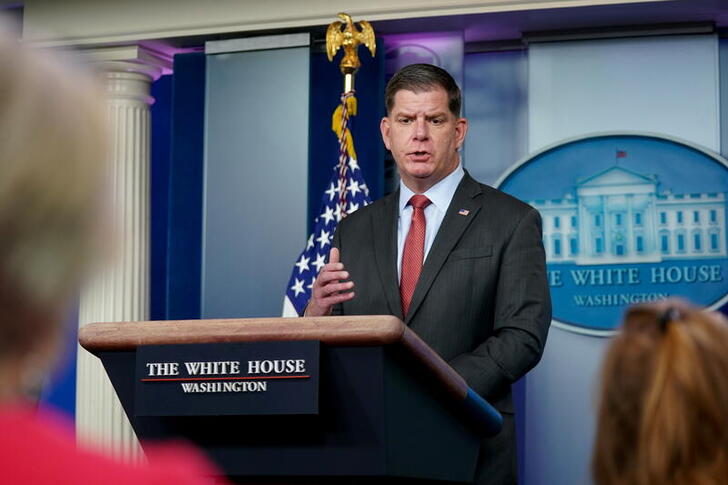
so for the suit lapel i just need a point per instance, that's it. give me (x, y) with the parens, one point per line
(384, 223)
(452, 228)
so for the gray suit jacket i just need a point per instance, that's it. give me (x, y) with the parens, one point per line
(482, 301)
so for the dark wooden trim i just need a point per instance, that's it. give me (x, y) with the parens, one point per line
(454, 384)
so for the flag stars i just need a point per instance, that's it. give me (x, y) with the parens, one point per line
(297, 287)
(323, 238)
(302, 264)
(328, 215)
(340, 197)
(331, 191)
(353, 188)
(319, 262)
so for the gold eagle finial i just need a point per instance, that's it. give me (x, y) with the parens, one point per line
(349, 38)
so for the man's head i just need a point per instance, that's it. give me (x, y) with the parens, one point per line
(423, 128)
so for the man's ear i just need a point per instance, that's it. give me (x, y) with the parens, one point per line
(384, 128)
(461, 129)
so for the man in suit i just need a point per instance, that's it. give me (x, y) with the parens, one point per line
(459, 262)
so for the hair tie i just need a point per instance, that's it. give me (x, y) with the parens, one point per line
(671, 314)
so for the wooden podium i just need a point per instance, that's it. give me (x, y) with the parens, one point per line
(390, 410)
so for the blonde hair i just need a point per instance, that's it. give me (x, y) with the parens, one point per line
(52, 159)
(663, 413)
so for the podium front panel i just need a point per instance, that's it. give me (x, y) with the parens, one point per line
(378, 418)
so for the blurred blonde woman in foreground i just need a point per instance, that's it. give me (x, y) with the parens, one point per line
(663, 414)
(52, 169)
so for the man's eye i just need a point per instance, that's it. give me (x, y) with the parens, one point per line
(437, 121)
(405, 121)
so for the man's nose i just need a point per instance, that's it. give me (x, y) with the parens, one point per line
(421, 132)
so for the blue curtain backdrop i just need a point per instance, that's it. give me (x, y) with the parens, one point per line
(161, 112)
(60, 390)
(179, 284)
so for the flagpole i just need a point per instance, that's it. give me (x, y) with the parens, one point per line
(345, 34)
(346, 178)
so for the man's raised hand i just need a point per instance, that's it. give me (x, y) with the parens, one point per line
(329, 287)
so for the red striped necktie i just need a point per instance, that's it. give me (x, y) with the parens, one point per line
(413, 252)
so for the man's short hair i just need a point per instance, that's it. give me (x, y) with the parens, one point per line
(424, 77)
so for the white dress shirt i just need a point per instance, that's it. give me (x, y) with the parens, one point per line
(440, 196)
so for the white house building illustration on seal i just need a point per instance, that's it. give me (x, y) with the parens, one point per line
(617, 216)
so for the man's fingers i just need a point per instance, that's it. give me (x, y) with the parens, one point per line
(332, 288)
(327, 276)
(332, 267)
(337, 298)
(320, 292)
(334, 255)
(334, 263)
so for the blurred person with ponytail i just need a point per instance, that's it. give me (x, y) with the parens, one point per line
(663, 412)
(52, 170)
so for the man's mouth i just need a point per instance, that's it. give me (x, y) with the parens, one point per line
(418, 155)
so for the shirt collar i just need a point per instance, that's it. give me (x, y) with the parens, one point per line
(439, 194)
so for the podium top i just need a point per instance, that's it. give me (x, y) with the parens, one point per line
(347, 330)
(344, 331)
(360, 330)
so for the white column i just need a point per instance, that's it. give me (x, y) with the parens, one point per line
(607, 225)
(630, 246)
(120, 291)
(651, 228)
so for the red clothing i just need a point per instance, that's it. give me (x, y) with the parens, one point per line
(39, 448)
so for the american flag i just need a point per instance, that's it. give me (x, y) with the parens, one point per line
(334, 202)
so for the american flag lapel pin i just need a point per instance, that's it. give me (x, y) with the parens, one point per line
(463, 212)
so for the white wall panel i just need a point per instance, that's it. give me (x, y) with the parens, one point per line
(256, 172)
(666, 85)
